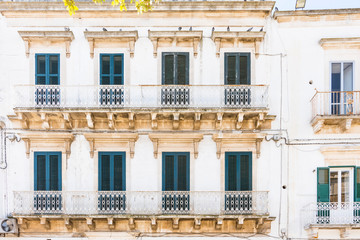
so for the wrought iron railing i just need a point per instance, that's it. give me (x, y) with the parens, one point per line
(141, 203)
(325, 213)
(142, 96)
(335, 103)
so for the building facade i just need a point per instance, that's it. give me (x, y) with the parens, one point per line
(200, 119)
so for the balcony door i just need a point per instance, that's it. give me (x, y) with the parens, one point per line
(47, 80)
(111, 80)
(237, 77)
(112, 185)
(175, 78)
(341, 88)
(47, 182)
(238, 182)
(176, 182)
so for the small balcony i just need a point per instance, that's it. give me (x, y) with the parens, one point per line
(142, 96)
(336, 111)
(331, 215)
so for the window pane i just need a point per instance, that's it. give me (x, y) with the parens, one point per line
(348, 76)
(323, 176)
(41, 173)
(105, 80)
(40, 64)
(54, 173)
(333, 186)
(105, 173)
(169, 173)
(118, 173)
(117, 64)
(231, 70)
(335, 77)
(54, 80)
(244, 70)
(40, 80)
(245, 173)
(181, 69)
(105, 63)
(345, 186)
(54, 64)
(117, 80)
(169, 69)
(231, 173)
(182, 179)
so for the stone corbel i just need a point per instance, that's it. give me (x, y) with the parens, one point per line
(45, 125)
(156, 147)
(90, 121)
(176, 121)
(90, 223)
(27, 146)
(23, 223)
(131, 223)
(111, 223)
(92, 147)
(27, 47)
(132, 47)
(92, 46)
(45, 222)
(258, 147)
(153, 223)
(259, 120)
(218, 148)
(239, 121)
(154, 123)
(197, 121)
(68, 147)
(67, 45)
(318, 125)
(111, 123)
(345, 232)
(257, 48)
(155, 46)
(219, 223)
(175, 223)
(131, 120)
(259, 222)
(217, 45)
(313, 232)
(197, 223)
(132, 147)
(68, 223)
(196, 148)
(347, 124)
(240, 222)
(196, 42)
(68, 120)
(24, 120)
(218, 123)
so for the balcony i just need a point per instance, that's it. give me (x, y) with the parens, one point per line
(335, 112)
(86, 105)
(162, 210)
(332, 215)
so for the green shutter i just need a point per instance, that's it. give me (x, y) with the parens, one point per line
(40, 172)
(323, 185)
(54, 172)
(168, 70)
(169, 173)
(105, 173)
(245, 173)
(118, 173)
(357, 184)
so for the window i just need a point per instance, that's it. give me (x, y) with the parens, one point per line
(237, 72)
(341, 187)
(175, 71)
(47, 79)
(111, 69)
(47, 181)
(341, 88)
(112, 182)
(175, 182)
(238, 182)
(111, 79)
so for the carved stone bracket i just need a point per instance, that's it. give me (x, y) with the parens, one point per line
(153, 223)
(318, 125)
(48, 36)
(103, 38)
(131, 223)
(175, 223)
(90, 223)
(48, 141)
(68, 120)
(24, 120)
(68, 223)
(179, 141)
(243, 142)
(23, 223)
(219, 223)
(111, 223)
(106, 140)
(154, 123)
(45, 222)
(240, 222)
(171, 38)
(197, 223)
(220, 38)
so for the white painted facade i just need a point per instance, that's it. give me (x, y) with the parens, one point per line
(289, 57)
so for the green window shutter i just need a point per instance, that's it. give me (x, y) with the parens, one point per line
(357, 184)
(231, 173)
(104, 183)
(244, 69)
(118, 173)
(245, 172)
(40, 172)
(323, 185)
(54, 172)
(230, 69)
(168, 69)
(169, 173)
(182, 173)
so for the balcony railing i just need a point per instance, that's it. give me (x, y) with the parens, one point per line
(325, 213)
(336, 103)
(142, 96)
(140, 203)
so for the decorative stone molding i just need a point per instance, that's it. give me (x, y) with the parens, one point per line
(48, 141)
(240, 142)
(175, 38)
(112, 140)
(50, 36)
(220, 38)
(337, 43)
(176, 140)
(341, 156)
(124, 38)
